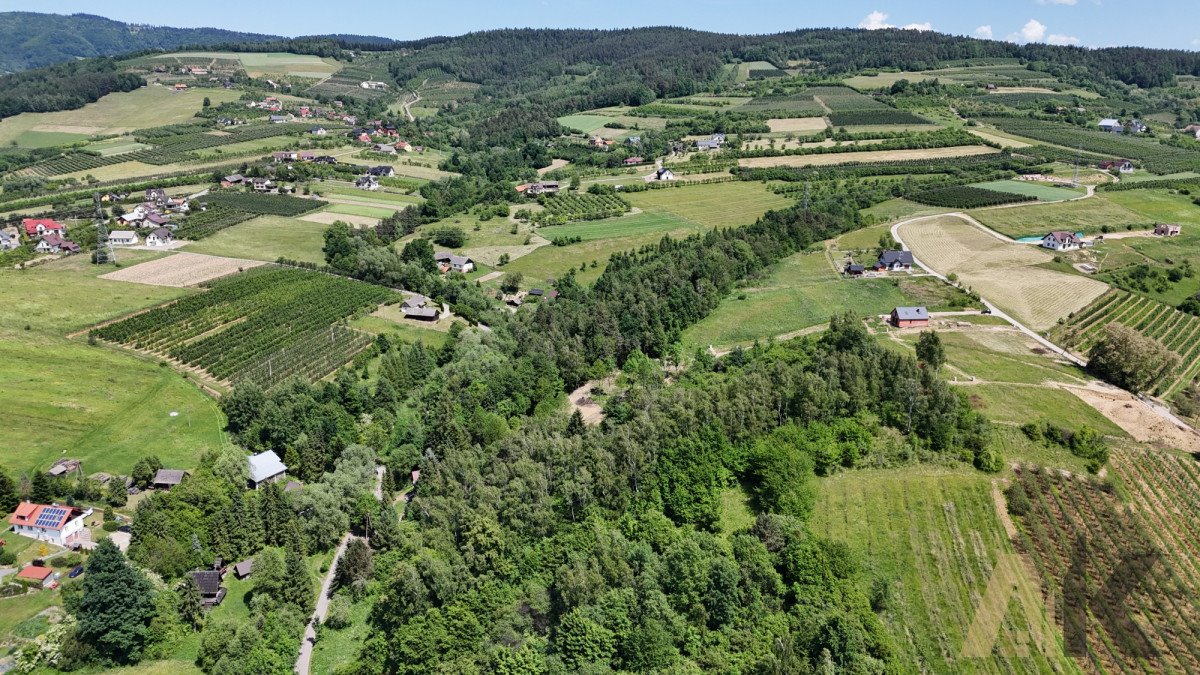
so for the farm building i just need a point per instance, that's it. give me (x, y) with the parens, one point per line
(56, 524)
(1110, 124)
(266, 467)
(457, 263)
(36, 227)
(1060, 240)
(159, 237)
(1167, 230)
(895, 261)
(209, 583)
(910, 317)
(420, 313)
(244, 568)
(233, 179)
(122, 238)
(166, 479)
(1121, 165)
(414, 302)
(63, 467)
(35, 573)
(855, 270)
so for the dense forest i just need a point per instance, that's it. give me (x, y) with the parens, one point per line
(63, 87)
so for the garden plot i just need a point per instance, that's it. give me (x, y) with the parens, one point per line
(181, 269)
(1010, 275)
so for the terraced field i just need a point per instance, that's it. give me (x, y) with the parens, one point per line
(1010, 275)
(1176, 330)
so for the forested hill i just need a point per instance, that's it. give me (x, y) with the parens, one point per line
(29, 40)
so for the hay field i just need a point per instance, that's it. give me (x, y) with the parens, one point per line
(871, 156)
(798, 124)
(267, 63)
(714, 204)
(116, 113)
(1010, 275)
(181, 270)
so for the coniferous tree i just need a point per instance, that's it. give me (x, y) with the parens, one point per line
(191, 604)
(299, 590)
(115, 607)
(42, 490)
(8, 493)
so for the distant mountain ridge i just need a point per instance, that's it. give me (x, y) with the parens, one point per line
(30, 40)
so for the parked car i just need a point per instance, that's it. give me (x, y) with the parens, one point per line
(75, 571)
(125, 528)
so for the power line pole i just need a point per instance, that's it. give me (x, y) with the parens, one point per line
(1078, 159)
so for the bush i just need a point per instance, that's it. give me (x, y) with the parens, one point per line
(111, 525)
(339, 613)
(1018, 500)
(448, 236)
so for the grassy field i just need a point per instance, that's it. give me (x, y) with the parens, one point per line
(933, 537)
(1085, 215)
(714, 205)
(1042, 191)
(117, 113)
(867, 156)
(1010, 275)
(268, 63)
(636, 225)
(802, 292)
(267, 238)
(587, 124)
(359, 210)
(899, 208)
(1018, 404)
(1001, 357)
(379, 196)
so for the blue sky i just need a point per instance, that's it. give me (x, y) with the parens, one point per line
(1093, 23)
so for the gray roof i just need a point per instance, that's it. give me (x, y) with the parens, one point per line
(442, 255)
(1062, 236)
(421, 312)
(892, 257)
(265, 465)
(244, 568)
(162, 233)
(911, 313)
(1108, 122)
(169, 476)
(415, 301)
(208, 581)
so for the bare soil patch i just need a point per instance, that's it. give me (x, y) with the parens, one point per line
(1136, 418)
(554, 164)
(181, 269)
(808, 124)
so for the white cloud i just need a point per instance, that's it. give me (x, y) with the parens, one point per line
(1056, 2)
(875, 20)
(1061, 40)
(918, 26)
(984, 32)
(1033, 31)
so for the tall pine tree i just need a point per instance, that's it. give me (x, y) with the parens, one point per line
(8, 493)
(42, 490)
(191, 604)
(115, 607)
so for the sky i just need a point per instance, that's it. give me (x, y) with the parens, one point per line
(1090, 23)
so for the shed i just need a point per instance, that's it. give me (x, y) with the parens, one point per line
(244, 568)
(266, 467)
(166, 479)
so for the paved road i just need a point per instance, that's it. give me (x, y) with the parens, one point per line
(304, 661)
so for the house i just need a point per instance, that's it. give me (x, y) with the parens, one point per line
(305, 112)
(159, 237)
(1110, 124)
(420, 313)
(262, 184)
(244, 568)
(364, 137)
(1167, 230)
(166, 479)
(285, 156)
(414, 302)
(134, 217)
(366, 183)
(209, 583)
(122, 238)
(231, 180)
(56, 524)
(451, 262)
(54, 243)
(155, 219)
(663, 173)
(266, 467)
(382, 171)
(404, 146)
(633, 140)
(895, 261)
(630, 161)
(910, 317)
(37, 574)
(1061, 240)
(279, 119)
(384, 149)
(1138, 127)
(713, 143)
(157, 196)
(548, 187)
(318, 131)
(325, 159)
(36, 227)
(1120, 165)
(8, 242)
(855, 270)
(602, 143)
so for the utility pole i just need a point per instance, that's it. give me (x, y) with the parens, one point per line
(807, 194)
(1078, 159)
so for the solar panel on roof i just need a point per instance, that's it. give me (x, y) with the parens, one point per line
(50, 517)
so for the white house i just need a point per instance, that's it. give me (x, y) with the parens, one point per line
(122, 238)
(266, 467)
(1060, 240)
(56, 524)
(456, 263)
(1110, 124)
(159, 237)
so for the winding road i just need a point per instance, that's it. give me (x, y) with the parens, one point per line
(304, 660)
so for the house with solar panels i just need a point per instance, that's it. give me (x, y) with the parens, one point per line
(56, 524)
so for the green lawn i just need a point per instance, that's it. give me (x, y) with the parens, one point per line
(338, 647)
(267, 238)
(359, 210)
(1086, 215)
(1042, 191)
(16, 610)
(933, 537)
(737, 514)
(898, 208)
(1002, 357)
(1019, 404)
(354, 193)
(1157, 205)
(584, 123)
(714, 205)
(639, 224)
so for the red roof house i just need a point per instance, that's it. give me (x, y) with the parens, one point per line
(36, 227)
(57, 524)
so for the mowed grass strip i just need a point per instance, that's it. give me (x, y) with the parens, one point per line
(1018, 404)
(1042, 191)
(933, 538)
(267, 238)
(1084, 215)
(866, 156)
